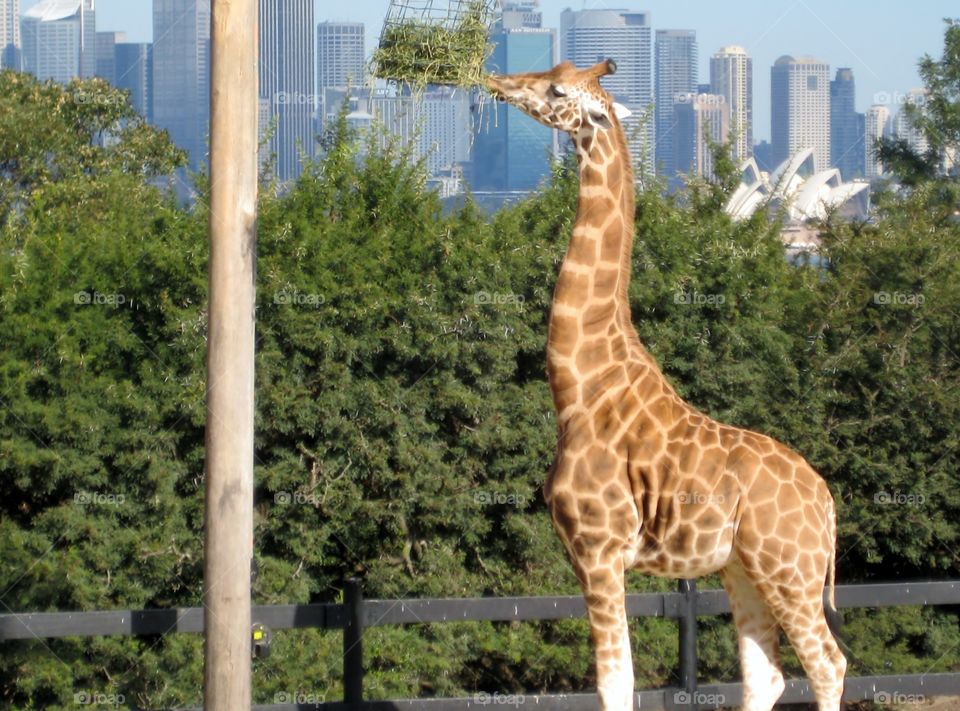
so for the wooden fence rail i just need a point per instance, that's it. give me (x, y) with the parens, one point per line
(356, 614)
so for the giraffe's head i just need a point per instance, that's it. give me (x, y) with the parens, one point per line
(564, 98)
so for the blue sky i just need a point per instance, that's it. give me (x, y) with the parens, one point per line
(881, 40)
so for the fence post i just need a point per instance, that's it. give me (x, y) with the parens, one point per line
(688, 641)
(353, 642)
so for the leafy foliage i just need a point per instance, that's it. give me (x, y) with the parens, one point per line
(937, 120)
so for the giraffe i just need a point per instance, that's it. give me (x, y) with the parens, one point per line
(641, 479)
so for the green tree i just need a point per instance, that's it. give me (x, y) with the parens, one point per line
(936, 118)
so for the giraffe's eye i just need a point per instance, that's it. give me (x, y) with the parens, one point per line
(557, 91)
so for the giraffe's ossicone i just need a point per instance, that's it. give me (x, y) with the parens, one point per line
(641, 478)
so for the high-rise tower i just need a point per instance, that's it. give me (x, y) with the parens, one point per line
(134, 72)
(731, 76)
(800, 109)
(340, 62)
(10, 44)
(846, 137)
(876, 126)
(340, 54)
(59, 39)
(181, 73)
(286, 81)
(699, 119)
(511, 151)
(675, 77)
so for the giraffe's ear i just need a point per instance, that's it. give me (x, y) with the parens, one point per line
(621, 111)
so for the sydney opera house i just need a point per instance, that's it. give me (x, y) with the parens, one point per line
(801, 195)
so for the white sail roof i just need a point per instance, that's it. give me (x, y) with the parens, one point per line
(805, 194)
(50, 10)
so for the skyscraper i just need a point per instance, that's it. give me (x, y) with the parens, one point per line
(10, 34)
(340, 62)
(133, 71)
(588, 36)
(876, 126)
(731, 76)
(676, 76)
(513, 151)
(435, 124)
(59, 39)
(904, 129)
(800, 109)
(340, 54)
(286, 81)
(698, 120)
(846, 137)
(181, 73)
(106, 60)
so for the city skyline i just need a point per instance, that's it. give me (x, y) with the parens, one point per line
(881, 49)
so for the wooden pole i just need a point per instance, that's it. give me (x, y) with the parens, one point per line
(228, 544)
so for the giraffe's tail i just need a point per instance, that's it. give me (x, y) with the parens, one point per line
(834, 618)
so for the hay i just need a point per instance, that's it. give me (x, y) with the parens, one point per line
(421, 51)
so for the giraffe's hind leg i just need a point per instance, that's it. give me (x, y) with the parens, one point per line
(793, 590)
(802, 618)
(758, 636)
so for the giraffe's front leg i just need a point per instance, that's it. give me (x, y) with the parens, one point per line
(602, 580)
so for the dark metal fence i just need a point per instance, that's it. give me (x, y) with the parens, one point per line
(356, 614)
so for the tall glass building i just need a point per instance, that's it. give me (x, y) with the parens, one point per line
(877, 125)
(340, 63)
(181, 73)
(286, 81)
(731, 76)
(106, 58)
(513, 152)
(59, 39)
(10, 34)
(846, 132)
(133, 65)
(340, 54)
(800, 109)
(676, 78)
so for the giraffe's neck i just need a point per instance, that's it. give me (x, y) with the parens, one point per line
(590, 326)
